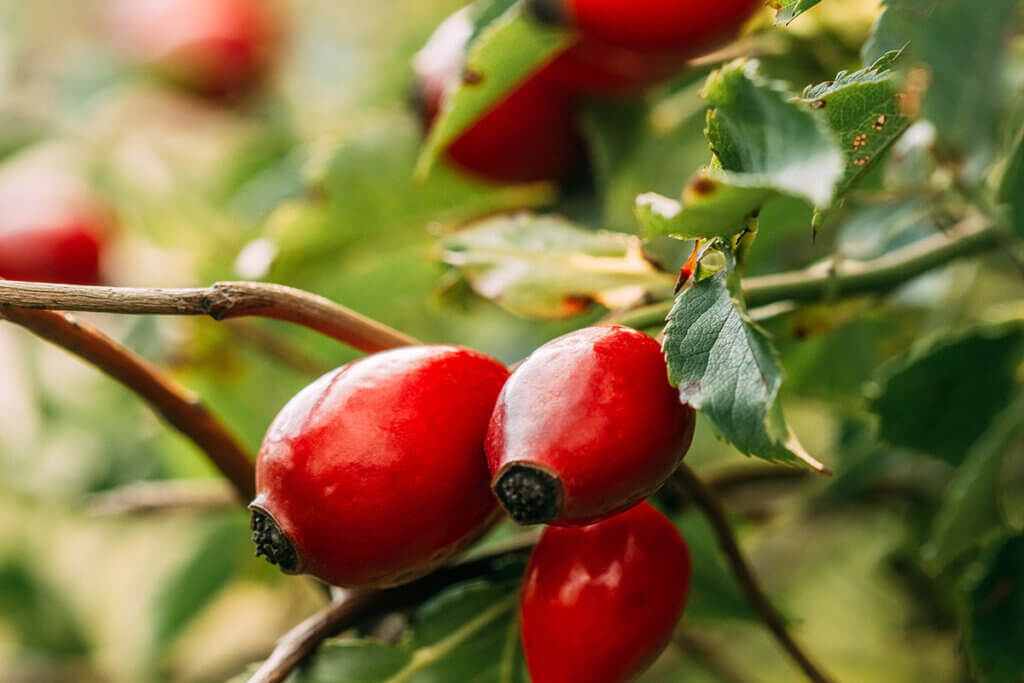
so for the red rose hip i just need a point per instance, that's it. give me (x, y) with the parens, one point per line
(586, 427)
(600, 602)
(526, 136)
(375, 474)
(213, 47)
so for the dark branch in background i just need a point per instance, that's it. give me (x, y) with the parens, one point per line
(692, 486)
(849, 278)
(180, 407)
(358, 605)
(220, 301)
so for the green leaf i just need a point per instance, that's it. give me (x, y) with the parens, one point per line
(788, 10)
(994, 611)
(503, 55)
(37, 614)
(940, 397)
(964, 49)
(1011, 188)
(764, 144)
(197, 581)
(546, 267)
(726, 367)
(971, 510)
(863, 111)
(468, 633)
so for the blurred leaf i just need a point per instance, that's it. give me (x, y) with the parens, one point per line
(788, 10)
(546, 267)
(713, 595)
(971, 510)
(41, 619)
(873, 230)
(863, 111)
(763, 144)
(995, 615)
(197, 581)
(964, 49)
(1011, 189)
(726, 367)
(369, 189)
(468, 633)
(940, 396)
(504, 53)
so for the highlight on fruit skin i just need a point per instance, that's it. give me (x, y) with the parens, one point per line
(374, 474)
(215, 48)
(600, 602)
(53, 226)
(586, 427)
(528, 135)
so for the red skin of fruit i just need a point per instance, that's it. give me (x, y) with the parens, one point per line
(529, 135)
(376, 471)
(600, 602)
(217, 48)
(625, 47)
(692, 27)
(62, 242)
(595, 408)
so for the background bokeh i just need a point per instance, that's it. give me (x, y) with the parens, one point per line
(316, 172)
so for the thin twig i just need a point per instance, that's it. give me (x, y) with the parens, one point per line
(702, 496)
(277, 347)
(147, 497)
(220, 301)
(180, 407)
(971, 236)
(356, 606)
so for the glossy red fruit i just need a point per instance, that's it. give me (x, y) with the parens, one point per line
(213, 47)
(50, 232)
(690, 27)
(624, 47)
(586, 427)
(529, 135)
(374, 474)
(600, 602)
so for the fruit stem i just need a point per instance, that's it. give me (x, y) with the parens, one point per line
(690, 484)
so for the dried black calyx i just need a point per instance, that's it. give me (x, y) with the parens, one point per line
(530, 494)
(271, 542)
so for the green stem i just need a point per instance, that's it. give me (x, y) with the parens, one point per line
(849, 278)
(444, 647)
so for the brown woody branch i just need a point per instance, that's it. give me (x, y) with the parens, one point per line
(220, 301)
(359, 605)
(688, 482)
(180, 407)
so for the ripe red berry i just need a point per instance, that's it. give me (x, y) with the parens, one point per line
(623, 47)
(586, 427)
(600, 602)
(51, 228)
(213, 47)
(375, 474)
(690, 27)
(529, 135)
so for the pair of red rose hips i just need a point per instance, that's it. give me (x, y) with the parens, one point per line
(382, 470)
(620, 47)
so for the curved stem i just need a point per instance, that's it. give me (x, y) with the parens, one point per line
(703, 497)
(971, 236)
(356, 606)
(180, 407)
(220, 301)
